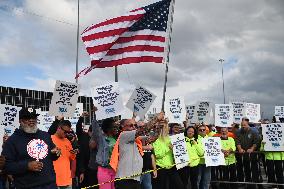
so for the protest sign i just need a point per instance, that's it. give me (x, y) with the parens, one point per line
(190, 109)
(9, 118)
(140, 101)
(252, 111)
(223, 115)
(45, 120)
(239, 111)
(78, 112)
(64, 99)
(279, 113)
(213, 154)
(108, 100)
(175, 109)
(202, 111)
(273, 136)
(179, 150)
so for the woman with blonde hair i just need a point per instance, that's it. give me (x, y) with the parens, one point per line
(163, 151)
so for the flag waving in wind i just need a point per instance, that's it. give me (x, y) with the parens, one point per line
(136, 37)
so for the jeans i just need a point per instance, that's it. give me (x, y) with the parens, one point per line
(146, 182)
(204, 176)
(105, 175)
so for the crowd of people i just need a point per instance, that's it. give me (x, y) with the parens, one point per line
(114, 153)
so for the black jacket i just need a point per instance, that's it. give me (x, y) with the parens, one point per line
(84, 151)
(17, 158)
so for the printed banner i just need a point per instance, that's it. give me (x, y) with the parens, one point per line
(78, 112)
(108, 100)
(279, 113)
(190, 109)
(202, 112)
(64, 99)
(9, 118)
(140, 101)
(252, 111)
(224, 115)
(273, 136)
(179, 150)
(239, 111)
(175, 109)
(213, 154)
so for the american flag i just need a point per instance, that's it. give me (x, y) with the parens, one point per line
(136, 37)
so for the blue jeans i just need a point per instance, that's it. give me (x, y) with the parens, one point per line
(204, 176)
(146, 182)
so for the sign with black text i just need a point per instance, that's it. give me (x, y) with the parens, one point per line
(64, 99)
(273, 136)
(140, 101)
(108, 100)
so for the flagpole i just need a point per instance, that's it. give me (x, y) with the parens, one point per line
(168, 53)
(77, 54)
(115, 74)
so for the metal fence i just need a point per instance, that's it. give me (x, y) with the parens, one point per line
(251, 170)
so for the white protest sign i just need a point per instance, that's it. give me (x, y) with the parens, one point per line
(279, 113)
(78, 112)
(64, 99)
(213, 154)
(223, 115)
(252, 112)
(190, 109)
(179, 150)
(9, 118)
(175, 109)
(273, 136)
(202, 111)
(239, 111)
(140, 101)
(108, 100)
(45, 120)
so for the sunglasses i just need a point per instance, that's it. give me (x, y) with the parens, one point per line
(132, 125)
(65, 132)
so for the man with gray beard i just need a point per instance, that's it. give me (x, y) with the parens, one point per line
(29, 154)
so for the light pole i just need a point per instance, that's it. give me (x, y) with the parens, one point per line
(221, 61)
(77, 52)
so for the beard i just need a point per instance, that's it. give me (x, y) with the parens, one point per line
(29, 129)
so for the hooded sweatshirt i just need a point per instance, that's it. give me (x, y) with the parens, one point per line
(15, 151)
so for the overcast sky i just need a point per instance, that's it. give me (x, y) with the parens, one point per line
(38, 47)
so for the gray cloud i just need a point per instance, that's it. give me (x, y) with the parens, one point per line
(250, 32)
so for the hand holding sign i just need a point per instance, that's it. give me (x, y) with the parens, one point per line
(35, 166)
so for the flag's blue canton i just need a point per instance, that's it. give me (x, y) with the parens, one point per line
(155, 18)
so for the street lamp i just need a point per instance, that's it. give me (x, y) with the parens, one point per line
(221, 61)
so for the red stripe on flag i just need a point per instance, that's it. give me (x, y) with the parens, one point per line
(104, 34)
(115, 20)
(135, 48)
(141, 37)
(129, 60)
(99, 48)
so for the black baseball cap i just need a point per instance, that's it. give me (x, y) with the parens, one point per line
(25, 113)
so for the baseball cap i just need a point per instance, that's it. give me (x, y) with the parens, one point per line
(26, 113)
